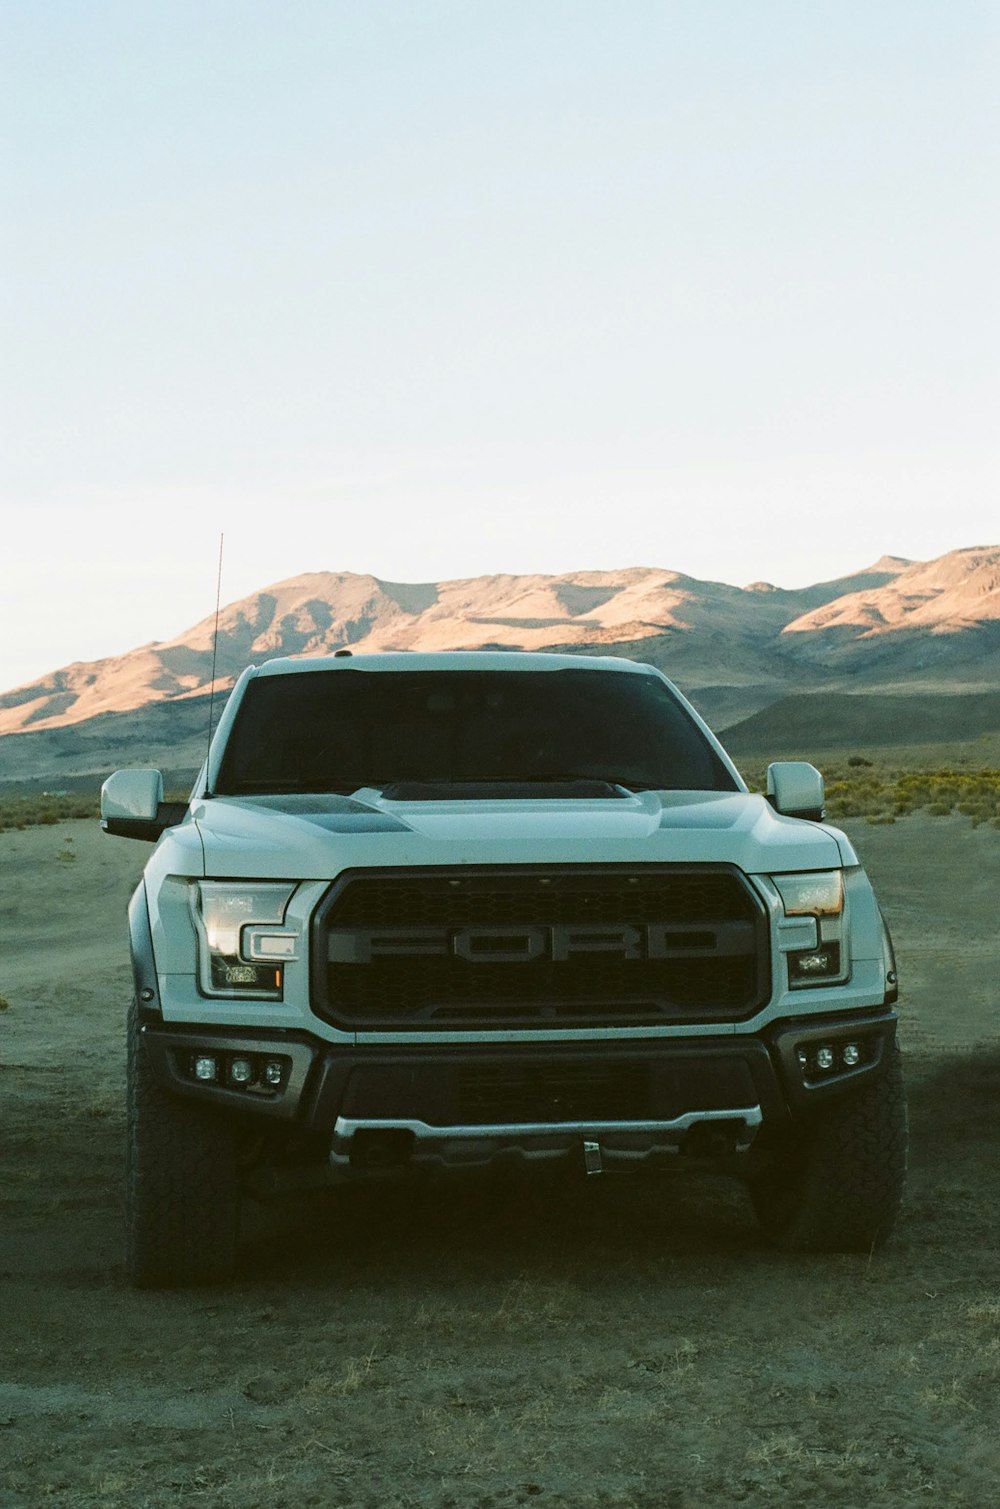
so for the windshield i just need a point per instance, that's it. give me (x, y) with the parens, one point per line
(339, 730)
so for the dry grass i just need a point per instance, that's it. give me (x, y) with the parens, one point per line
(354, 1375)
(45, 809)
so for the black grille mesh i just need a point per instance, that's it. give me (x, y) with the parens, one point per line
(554, 1092)
(507, 900)
(455, 993)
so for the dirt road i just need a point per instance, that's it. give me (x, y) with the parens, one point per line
(583, 1344)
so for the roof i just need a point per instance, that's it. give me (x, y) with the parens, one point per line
(450, 660)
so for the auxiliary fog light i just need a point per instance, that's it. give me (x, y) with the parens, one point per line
(205, 1067)
(824, 1058)
(851, 1055)
(240, 1071)
(272, 1072)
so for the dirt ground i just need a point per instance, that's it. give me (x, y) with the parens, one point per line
(587, 1343)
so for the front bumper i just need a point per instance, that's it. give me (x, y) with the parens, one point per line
(371, 1146)
(465, 1104)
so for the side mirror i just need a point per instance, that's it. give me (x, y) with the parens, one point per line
(795, 788)
(132, 805)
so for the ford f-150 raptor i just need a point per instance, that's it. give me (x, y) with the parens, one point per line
(437, 912)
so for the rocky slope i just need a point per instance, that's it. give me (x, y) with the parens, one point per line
(720, 633)
(920, 627)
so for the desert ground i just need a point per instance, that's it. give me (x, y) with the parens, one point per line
(623, 1344)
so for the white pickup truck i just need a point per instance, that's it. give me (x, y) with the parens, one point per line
(426, 913)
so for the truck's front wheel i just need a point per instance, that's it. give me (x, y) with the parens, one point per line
(839, 1188)
(182, 1192)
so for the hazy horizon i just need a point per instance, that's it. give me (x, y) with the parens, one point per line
(227, 601)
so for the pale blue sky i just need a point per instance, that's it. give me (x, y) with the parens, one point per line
(440, 288)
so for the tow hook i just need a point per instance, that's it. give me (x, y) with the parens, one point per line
(592, 1158)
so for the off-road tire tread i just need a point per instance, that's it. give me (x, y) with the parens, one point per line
(182, 1194)
(840, 1191)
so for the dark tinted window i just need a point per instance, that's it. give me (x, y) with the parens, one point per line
(338, 730)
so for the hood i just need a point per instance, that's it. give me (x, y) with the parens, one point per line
(316, 837)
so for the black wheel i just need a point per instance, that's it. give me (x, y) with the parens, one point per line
(840, 1189)
(182, 1190)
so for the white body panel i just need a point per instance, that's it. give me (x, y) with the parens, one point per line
(241, 839)
(312, 839)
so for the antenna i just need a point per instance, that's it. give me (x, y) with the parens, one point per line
(215, 656)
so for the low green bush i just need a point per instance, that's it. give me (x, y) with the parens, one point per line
(856, 789)
(45, 809)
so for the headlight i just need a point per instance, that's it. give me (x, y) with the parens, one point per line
(818, 894)
(242, 943)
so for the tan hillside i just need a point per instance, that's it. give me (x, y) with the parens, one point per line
(324, 611)
(946, 595)
(726, 643)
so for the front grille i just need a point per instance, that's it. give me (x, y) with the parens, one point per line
(487, 949)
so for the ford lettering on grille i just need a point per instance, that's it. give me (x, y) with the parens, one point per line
(485, 948)
(524, 945)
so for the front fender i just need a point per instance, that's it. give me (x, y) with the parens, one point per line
(147, 992)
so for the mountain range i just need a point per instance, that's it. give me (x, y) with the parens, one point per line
(898, 627)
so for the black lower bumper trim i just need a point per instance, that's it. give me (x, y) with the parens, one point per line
(796, 1045)
(544, 1084)
(174, 1051)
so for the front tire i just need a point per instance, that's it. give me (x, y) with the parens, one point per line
(841, 1188)
(182, 1189)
